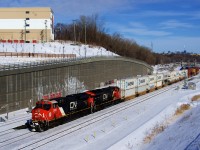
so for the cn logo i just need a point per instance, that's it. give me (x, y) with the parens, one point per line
(105, 96)
(73, 105)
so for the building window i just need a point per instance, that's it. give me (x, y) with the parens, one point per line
(27, 18)
(27, 12)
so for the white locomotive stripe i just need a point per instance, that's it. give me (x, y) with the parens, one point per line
(62, 111)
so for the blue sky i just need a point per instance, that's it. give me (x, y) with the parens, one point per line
(164, 25)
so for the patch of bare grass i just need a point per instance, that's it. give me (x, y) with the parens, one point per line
(155, 131)
(195, 98)
(160, 128)
(182, 108)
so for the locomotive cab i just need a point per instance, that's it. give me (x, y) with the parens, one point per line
(44, 112)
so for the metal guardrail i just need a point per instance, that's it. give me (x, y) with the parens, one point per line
(31, 64)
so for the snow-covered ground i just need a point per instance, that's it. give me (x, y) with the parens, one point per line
(80, 50)
(122, 126)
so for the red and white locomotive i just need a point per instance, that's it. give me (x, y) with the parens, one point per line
(56, 109)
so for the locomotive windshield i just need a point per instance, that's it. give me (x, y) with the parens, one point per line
(38, 105)
(46, 106)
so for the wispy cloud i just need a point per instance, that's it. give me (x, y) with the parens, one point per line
(155, 13)
(175, 24)
(71, 8)
(146, 32)
(137, 29)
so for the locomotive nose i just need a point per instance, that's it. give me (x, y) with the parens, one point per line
(37, 115)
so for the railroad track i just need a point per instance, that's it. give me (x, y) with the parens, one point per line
(19, 137)
(99, 117)
(6, 132)
(13, 121)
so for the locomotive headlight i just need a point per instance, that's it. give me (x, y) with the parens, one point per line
(50, 114)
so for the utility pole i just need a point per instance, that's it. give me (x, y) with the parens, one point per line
(25, 30)
(85, 33)
(63, 51)
(33, 48)
(74, 22)
(46, 29)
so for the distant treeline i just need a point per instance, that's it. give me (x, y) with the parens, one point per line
(90, 30)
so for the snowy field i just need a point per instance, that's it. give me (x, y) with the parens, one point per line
(125, 126)
(122, 126)
(80, 50)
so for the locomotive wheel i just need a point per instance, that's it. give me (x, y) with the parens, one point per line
(42, 127)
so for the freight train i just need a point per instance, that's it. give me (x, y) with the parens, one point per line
(58, 109)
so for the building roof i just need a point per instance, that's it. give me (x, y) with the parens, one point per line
(13, 9)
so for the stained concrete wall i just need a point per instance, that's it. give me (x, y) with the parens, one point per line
(22, 86)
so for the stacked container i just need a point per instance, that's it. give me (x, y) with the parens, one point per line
(128, 87)
(152, 83)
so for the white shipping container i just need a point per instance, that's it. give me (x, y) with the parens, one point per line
(127, 93)
(130, 83)
(172, 77)
(142, 84)
(180, 73)
(152, 82)
(127, 83)
(142, 81)
(159, 84)
(177, 75)
(159, 79)
(185, 73)
(151, 86)
(127, 87)
(152, 78)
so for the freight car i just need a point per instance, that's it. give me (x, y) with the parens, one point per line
(136, 86)
(192, 71)
(54, 110)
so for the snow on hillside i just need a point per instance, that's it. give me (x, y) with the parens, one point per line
(125, 130)
(79, 50)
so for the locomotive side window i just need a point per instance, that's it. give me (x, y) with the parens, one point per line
(54, 105)
(46, 106)
(38, 105)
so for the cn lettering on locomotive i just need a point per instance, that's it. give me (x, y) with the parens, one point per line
(105, 97)
(73, 105)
